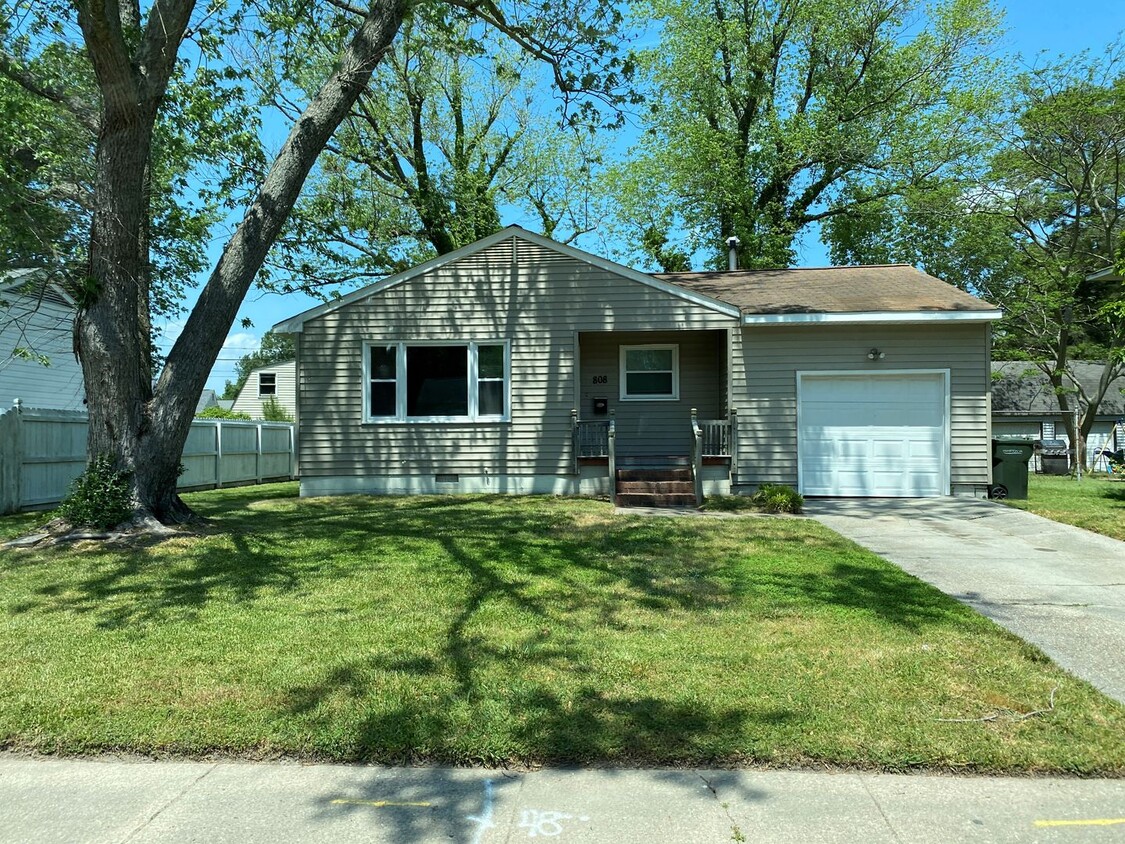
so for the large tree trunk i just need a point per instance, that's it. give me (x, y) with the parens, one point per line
(142, 428)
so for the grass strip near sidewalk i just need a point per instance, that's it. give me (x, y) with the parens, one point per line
(522, 630)
(1096, 503)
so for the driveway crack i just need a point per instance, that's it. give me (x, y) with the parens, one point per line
(168, 803)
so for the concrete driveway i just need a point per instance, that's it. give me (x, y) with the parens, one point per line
(1059, 587)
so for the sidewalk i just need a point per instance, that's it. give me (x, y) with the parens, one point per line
(48, 800)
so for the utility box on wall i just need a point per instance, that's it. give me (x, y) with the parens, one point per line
(600, 406)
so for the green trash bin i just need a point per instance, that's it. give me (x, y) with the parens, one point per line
(1009, 467)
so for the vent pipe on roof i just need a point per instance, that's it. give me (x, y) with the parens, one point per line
(732, 252)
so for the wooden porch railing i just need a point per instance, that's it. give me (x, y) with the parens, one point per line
(716, 435)
(596, 438)
(591, 438)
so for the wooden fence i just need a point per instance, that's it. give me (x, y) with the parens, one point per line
(42, 451)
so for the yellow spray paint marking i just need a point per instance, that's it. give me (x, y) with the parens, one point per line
(1090, 822)
(378, 804)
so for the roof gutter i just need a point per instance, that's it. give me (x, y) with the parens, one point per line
(867, 317)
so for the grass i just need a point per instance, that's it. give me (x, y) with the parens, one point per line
(508, 630)
(1096, 503)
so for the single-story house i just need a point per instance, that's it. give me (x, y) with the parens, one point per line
(1024, 404)
(207, 399)
(277, 381)
(37, 362)
(517, 364)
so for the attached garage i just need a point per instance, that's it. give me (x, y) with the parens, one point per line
(867, 434)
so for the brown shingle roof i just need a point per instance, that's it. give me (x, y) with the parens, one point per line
(887, 287)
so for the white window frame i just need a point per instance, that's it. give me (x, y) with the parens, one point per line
(474, 416)
(623, 380)
(262, 395)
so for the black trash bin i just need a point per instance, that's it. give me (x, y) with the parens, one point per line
(1009, 467)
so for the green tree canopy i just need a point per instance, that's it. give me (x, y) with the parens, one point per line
(766, 117)
(447, 134)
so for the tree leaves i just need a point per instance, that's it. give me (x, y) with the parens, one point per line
(769, 116)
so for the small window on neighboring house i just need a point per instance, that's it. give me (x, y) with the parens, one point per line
(650, 373)
(435, 382)
(267, 383)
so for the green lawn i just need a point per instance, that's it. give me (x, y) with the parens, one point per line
(1096, 503)
(483, 629)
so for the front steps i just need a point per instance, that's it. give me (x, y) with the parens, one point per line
(655, 486)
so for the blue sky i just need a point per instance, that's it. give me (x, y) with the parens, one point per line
(1033, 26)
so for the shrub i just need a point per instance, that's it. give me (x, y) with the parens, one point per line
(272, 411)
(217, 412)
(99, 497)
(775, 498)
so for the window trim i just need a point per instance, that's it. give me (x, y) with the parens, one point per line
(262, 395)
(623, 372)
(400, 417)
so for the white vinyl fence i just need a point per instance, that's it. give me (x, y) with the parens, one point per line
(42, 451)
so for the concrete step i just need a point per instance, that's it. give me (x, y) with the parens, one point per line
(647, 499)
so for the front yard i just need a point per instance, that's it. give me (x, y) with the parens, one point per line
(1096, 503)
(533, 630)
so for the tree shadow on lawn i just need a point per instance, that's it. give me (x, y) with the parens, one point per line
(555, 565)
(532, 724)
(538, 555)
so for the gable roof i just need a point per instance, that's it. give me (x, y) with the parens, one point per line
(33, 283)
(206, 399)
(295, 323)
(1018, 388)
(888, 292)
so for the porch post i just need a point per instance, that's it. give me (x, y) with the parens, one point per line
(574, 440)
(733, 443)
(611, 452)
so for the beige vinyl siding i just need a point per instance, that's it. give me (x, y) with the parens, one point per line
(537, 299)
(249, 401)
(655, 428)
(768, 358)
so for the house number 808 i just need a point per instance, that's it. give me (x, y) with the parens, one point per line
(601, 379)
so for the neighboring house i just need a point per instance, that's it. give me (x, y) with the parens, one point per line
(37, 363)
(277, 381)
(207, 399)
(1024, 403)
(461, 375)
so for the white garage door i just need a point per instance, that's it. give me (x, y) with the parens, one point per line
(873, 435)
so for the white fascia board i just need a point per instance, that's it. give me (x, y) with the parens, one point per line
(294, 324)
(871, 317)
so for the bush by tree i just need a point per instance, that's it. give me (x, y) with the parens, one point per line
(99, 497)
